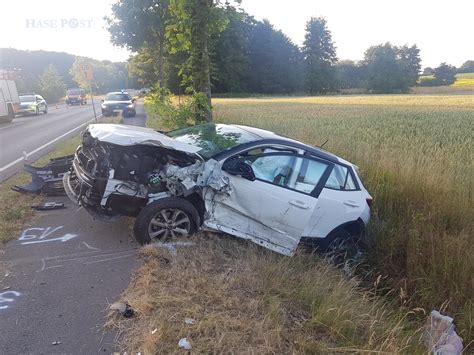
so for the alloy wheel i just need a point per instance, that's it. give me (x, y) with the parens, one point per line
(169, 223)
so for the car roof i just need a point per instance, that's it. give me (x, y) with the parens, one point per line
(274, 138)
(117, 92)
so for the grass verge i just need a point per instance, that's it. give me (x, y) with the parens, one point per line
(245, 299)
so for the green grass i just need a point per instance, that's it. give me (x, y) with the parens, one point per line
(416, 157)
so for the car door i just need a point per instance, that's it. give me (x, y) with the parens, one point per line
(40, 102)
(274, 208)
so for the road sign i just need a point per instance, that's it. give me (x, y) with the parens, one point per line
(87, 71)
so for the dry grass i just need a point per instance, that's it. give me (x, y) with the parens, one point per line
(245, 299)
(416, 156)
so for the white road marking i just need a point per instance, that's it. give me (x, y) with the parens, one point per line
(89, 247)
(12, 125)
(62, 239)
(9, 165)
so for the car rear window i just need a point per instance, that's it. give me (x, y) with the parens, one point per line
(341, 179)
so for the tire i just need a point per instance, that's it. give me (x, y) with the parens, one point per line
(342, 247)
(37, 112)
(156, 222)
(11, 113)
(45, 110)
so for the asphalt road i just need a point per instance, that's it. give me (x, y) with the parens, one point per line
(62, 273)
(37, 135)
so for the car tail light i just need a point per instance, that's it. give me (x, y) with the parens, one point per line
(369, 201)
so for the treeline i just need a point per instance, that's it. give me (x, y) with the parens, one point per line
(247, 55)
(51, 73)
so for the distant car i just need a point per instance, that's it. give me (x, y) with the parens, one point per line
(116, 102)
(76, 96)
(32, 104)
(244, 181)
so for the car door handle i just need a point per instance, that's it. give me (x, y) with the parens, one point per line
(299, 204)
(351, 203)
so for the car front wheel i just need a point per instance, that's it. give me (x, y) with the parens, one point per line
(166, 219)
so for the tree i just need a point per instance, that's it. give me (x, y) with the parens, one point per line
(229, 53)
(390, 68)
(274, 61)
(349, 75)
(445, 74)
(428, 71)
(467, 67)
(52, 85)
(319, 56)
(140, 26)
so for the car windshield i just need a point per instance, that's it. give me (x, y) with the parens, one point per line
(27, 98)
(117, 97)
(213, 138)
(74, 92)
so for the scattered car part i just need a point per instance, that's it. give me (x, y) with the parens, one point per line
(49, 206)
(47, 179)
(123, 308)
(440, 335)
(185, 344)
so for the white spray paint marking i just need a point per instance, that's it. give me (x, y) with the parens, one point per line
(89, 247)
(39, 235)
(5, 299)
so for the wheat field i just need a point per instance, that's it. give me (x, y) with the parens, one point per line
(416, 157)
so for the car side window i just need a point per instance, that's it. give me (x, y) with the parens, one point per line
(288, 170)
(341, 179)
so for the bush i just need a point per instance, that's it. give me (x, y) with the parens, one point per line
(175, 112)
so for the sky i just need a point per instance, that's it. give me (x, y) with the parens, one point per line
(443, 30)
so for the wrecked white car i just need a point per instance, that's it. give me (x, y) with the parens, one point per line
(244, 181)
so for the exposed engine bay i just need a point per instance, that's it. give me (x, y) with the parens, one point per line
(120, 180)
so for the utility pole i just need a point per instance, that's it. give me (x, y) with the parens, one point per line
(89, 75)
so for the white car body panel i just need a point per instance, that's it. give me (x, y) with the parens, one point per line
(131, 135)
(254, 211)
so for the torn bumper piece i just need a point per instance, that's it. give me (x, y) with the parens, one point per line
(47, 179)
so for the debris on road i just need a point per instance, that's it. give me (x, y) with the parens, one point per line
(154, 331)
(441, 336)
(184, 343)
(47, 179)
(55, 343)
(123, 308)
(49, 206)
(188, 320)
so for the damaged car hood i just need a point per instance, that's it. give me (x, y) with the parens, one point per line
(126, 135)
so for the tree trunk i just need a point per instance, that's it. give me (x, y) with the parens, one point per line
(200, 52)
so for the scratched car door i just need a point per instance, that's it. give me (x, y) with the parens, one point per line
(273, 210)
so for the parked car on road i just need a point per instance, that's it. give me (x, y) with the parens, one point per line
(32, 104)
(76, 96)
(116, 102)
(240, 180)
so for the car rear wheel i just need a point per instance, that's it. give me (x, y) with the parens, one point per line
(343, 248)
(37, 111)
(45, 109)
(165, 219)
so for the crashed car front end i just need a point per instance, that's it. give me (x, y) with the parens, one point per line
(115, 173)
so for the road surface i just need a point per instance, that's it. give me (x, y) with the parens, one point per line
(37, 135)
(61, 272)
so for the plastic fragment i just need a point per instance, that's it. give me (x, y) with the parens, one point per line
(123, 308)
(188, 320)
(440, 335)
(56, 343)
(184, 343)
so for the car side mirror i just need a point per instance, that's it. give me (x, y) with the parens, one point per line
(240, 168)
